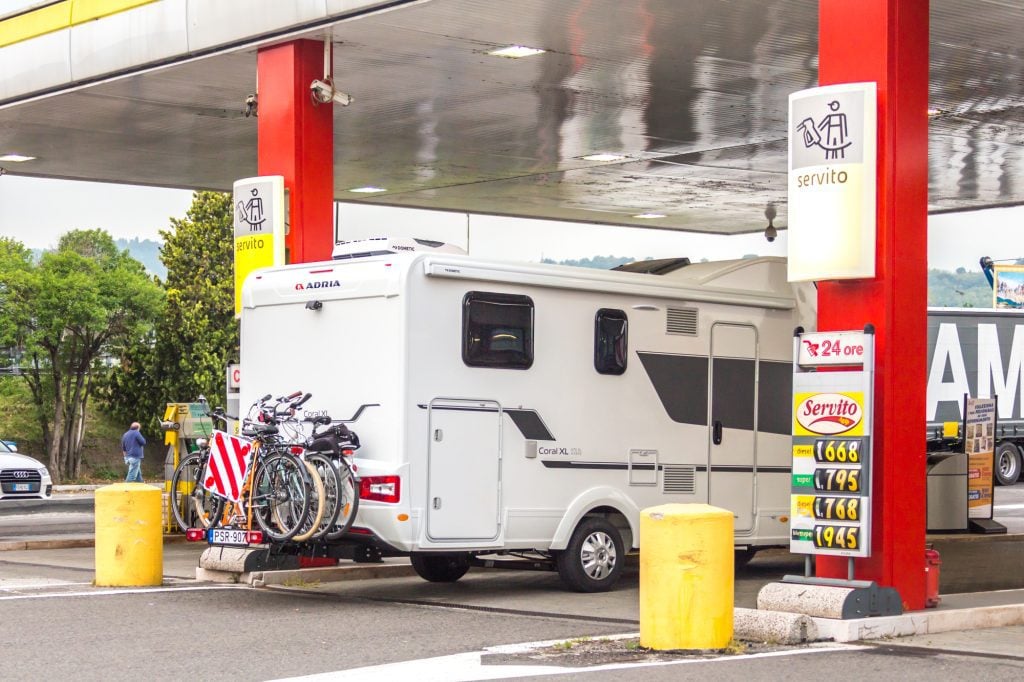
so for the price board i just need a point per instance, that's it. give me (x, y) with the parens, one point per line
(830, 503)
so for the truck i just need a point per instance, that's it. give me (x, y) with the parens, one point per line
(977, 352)
(528, 412)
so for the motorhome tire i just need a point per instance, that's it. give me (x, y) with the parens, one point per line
(743, 556)
(1008, 463)
(592, 561)
(440, 568)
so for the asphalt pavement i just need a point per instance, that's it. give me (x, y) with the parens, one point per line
(404, 628)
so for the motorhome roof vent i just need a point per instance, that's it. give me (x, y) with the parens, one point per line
(382, 246)
(660, 266)
(681, 321)
(679, 479)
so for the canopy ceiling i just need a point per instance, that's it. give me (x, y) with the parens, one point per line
(691, 93)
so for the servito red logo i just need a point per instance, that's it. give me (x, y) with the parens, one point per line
(828, 413)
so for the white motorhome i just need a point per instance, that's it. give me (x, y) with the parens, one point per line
(534, 410)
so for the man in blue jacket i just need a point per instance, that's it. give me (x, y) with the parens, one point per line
(131, 446)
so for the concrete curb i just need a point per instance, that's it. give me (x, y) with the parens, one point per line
(308, 576)
(54, 504)
(66, 543)
(920, 623)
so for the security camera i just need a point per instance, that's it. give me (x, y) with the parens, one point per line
(323, 92)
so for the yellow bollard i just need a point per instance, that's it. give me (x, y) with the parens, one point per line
(686, 577)
(129, 539)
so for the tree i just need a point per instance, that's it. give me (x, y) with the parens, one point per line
(82, 303)
(198, 334)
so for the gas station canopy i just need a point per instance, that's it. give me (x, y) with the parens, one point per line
(674, 110)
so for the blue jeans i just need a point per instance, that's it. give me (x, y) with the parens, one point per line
(134, 469)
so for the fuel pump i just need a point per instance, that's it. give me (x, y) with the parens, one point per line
(184, 424)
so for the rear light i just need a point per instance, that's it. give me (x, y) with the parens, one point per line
(195, 534)
(348, 452)
(360, 531)
(254, 537)
(381, 488)
(296, 450)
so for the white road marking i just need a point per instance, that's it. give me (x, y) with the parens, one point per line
(120, 591)
(467, 667)
(1009, 506)
(34, 583)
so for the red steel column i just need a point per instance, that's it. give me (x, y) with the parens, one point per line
(296, 140)
(886, 41)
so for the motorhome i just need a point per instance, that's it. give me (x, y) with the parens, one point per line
(534, 410)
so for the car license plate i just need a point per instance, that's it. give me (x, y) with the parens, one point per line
(22, 487)
(228, 536)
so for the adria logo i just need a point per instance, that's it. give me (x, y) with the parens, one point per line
(299, 286)
(828, 413)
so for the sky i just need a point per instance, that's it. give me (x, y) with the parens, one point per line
(38, 211)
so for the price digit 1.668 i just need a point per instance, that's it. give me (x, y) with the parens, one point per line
(837, 451)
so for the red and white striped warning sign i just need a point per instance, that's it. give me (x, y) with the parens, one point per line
(227, 466)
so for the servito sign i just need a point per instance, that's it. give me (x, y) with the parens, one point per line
(832, 177)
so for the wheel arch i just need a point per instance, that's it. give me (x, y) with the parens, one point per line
(605, 502)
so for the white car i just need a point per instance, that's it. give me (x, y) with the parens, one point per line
(22, 477)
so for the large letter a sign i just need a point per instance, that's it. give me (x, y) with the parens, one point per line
(230, 457)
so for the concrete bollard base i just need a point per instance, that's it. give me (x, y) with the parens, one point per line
(856, 599)
(773, 626)
(244, 560)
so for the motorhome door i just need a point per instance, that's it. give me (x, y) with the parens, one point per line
(732, 460)
(464, 470)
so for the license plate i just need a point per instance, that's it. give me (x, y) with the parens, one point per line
(227, 536)
(22, 487)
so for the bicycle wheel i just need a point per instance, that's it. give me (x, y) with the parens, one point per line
(317, 504)
(332, 487)
(348, 500)
(279, 499)
(190, 502)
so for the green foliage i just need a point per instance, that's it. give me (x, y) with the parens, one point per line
(198, 334)
(64, 314)
(960, 289)
(18, 416)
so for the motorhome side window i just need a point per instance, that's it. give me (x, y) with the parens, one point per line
(497, 330)
(610, 341)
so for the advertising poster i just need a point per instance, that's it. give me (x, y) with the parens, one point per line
(1008, 287)
(979, 444)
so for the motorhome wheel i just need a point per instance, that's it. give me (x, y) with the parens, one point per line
(440, 568)
(592, 561)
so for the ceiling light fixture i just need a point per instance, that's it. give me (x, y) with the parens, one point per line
(604, 156)
(16, 158)
(516, 52)
(369, 189)
(650, 216)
